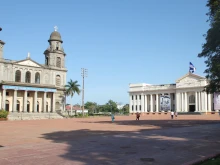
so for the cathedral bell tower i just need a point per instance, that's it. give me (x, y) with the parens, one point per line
(1, 47)
(54, 55)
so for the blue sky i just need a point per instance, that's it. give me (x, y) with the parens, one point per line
(118, 41)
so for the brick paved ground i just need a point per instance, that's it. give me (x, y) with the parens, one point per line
(155, 139)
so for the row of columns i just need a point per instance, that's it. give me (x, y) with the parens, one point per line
(144, 103)
(14, 108)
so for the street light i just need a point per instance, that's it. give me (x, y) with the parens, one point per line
(84, 73)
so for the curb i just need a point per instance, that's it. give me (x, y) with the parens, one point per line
(200, 160)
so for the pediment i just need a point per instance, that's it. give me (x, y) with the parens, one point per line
(28, 62)
(190, 80)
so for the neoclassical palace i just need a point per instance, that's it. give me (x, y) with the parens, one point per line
(30, 87)
(186, 95)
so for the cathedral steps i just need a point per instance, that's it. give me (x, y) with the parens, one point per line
(33, 116)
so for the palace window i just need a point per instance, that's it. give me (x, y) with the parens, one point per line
(58, 62)
(37, 78)
(18, 76)
(132, 108)
(136, 97)
(132, 97)
(28, 77)
(139, 97)
(7, 93)
(58, 80)
(46, 60)
(136, 107)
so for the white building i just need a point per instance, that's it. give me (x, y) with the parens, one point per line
(187, 95)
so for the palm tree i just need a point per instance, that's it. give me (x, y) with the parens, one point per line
(72, 87)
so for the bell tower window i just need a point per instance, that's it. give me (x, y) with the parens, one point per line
(57, 46)
(46, 60)
(58, 63)
(58, 80)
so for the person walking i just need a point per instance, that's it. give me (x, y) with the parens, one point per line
(172, 114)
(137, 116)
(176, 113)
(113, 118)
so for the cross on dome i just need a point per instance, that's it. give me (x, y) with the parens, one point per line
(55, 28)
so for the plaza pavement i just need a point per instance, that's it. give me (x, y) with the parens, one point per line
(155, 139)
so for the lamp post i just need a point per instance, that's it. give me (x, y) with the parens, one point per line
(84, 73)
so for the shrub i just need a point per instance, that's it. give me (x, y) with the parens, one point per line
(3, 114)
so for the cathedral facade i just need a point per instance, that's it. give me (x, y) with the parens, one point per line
(29, 87)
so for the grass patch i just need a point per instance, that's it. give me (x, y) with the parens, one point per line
(212, 161)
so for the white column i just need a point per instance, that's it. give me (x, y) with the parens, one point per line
(196, 101)
(142, 102)
(177, 101)
(138, 103)
(202, 101)
(3, 98)
(145, 103)
(205, 104)
(209, 103)
(25, 101)
(45, 103)
(35, 101)
(186, 102)
(53, 107)
(199, 104)
(15, 101)
(151, 103)
(182, 102)
(157, 105)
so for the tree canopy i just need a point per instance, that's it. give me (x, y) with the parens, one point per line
(211, 49)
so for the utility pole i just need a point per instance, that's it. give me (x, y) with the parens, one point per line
(84, 73)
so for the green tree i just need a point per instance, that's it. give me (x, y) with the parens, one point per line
(91, 106)
(111, 106)
(211, 49)
(125, 109)
(72, 87)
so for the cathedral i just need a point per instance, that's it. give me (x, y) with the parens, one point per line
(31, 88)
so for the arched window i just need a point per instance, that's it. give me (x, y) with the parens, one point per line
(58, 80)
(28, 77)
(192, 99)
(58, 62)
(57, 46)
(18, 76)
(37, 78)
(57, 105)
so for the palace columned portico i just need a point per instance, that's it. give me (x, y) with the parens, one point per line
(187, 95)
(27, 99)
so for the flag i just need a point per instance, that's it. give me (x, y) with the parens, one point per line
(191, 67)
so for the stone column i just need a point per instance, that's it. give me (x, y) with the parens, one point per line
(186, 102)
(53, 106)
(15, 101)
(25, 101)
(151, 103)
(199, 103)
(35, 101)
(205, 104)
(196, 101)
(145, 108)
(3, 98)
(157, 105)
(142, 103)
(44, 102)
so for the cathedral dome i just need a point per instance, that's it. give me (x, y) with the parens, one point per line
(55, 36)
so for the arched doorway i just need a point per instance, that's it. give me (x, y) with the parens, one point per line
(192, 106)
(18, 106)
(38, 106)
(7, 105)
(28, 106)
